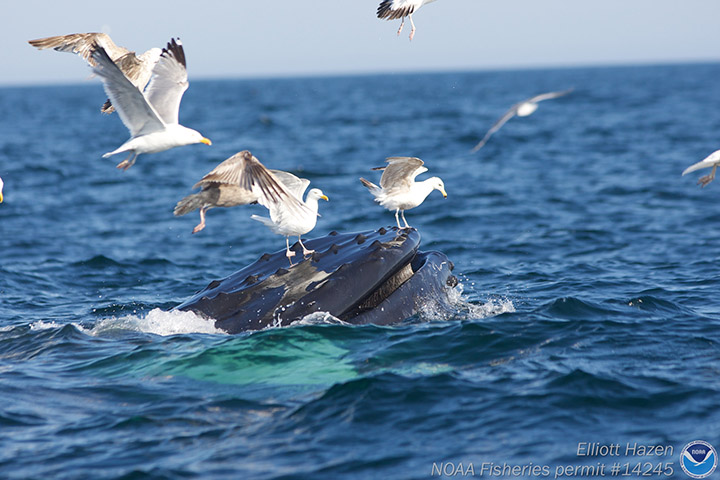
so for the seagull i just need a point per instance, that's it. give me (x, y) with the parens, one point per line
(521, 109)
(398, 189)
(712, 160)
(137, 68)
(1, 187)
(285, 219)
(239, 180)
(394, 9)
(151, 117)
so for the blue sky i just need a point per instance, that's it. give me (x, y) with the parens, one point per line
(250, 38)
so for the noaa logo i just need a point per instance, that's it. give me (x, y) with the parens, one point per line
(698, 459)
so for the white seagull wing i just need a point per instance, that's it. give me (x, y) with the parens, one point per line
(135, 112)
(497, 126)
(548, 96)
(168, 82)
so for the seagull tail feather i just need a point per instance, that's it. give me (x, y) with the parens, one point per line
(188, 204)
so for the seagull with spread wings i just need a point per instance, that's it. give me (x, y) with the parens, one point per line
(137, 68)
(521, 109)
(285, 218)
(398, 189)
(394, 9)
(152, 116)
(239, 180)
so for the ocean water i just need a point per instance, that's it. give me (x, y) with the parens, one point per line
(588, 309)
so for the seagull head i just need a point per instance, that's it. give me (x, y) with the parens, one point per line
(438, 185)
(318, 194)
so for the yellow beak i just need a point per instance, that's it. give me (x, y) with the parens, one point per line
(324, 197)
(444, 194)
(206, 141)
(1, 197)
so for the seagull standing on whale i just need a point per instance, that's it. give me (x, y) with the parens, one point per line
(398, 189)
(285, 218)
(137, 68)
(521, 109)
(239, 180)
(394, 9)
(152, 116)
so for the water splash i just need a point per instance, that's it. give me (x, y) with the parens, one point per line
(156, 321)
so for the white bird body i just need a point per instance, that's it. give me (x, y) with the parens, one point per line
(712, 160)
(520, 109)
(151, 116)
(398, 189)
(285, 218)
(394, 9)
(137, 68)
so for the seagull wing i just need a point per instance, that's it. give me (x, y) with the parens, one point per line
(135, 112)
(296, 186)
(497, 126)
(400, 173)
(168, 82)
(548, 96)
(245, 170)
(393, 9)
(81, 44)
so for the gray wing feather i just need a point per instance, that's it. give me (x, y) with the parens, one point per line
(498, 125)
(81, 44)
(400, 173)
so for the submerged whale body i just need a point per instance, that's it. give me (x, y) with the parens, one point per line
(376, 277)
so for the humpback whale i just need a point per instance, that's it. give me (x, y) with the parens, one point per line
(377, 277)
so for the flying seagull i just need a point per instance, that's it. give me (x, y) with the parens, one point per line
(712, 160)
(521, 109)
(152, 116)
(137, 68)
(285, 218)
(398, 189)
(239, 180)
(394, 9)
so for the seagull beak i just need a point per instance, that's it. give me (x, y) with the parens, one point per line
(1, 197)
(206, 141)
(324, 197)
(444, 194)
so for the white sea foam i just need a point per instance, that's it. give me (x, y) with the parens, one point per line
(319, 318)
(493, 306)
(42, 325)
(156, 321)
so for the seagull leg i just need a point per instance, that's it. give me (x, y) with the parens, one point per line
(305, 250)
(288, 253)
(403, 217)
(402, 24)
(397, 219)
(412, 32)
(703, 181)
(128, 162)
(200, 225)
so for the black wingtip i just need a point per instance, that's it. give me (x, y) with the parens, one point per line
(175, 50)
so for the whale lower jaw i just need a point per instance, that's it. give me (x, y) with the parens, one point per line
(368, 277)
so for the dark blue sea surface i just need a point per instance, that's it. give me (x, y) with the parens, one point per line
(588, 308)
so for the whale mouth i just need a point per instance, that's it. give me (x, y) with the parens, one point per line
(368, 277)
